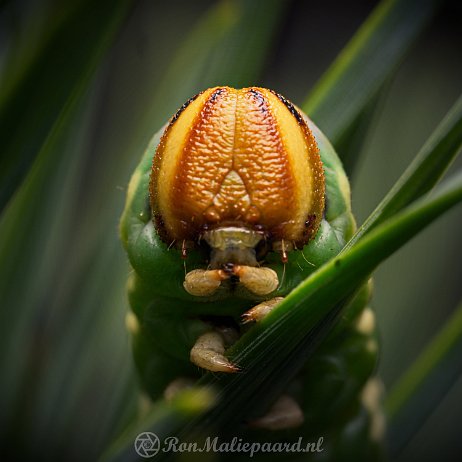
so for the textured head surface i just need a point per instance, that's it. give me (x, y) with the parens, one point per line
(237, 157)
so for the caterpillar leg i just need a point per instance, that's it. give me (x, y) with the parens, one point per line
(371, 399)
(208, 352)
(284, 413)
(177, 385)
(259, 280)
(203, 282)
(258, 312)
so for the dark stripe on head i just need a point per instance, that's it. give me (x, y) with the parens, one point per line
(215, 95)
(182, 108)
(260, 98)
(290, 107)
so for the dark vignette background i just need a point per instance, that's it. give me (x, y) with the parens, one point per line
(415, 290)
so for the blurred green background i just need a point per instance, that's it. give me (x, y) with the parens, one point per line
(77, 130)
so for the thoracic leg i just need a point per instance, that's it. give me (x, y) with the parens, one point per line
(258, 312)
(284, 413)
(203, 282)
(259, 280)
(208, 353)
(177, 385)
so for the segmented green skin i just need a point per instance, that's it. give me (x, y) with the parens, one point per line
(328, 388)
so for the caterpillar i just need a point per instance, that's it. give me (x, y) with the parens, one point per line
(237, 199)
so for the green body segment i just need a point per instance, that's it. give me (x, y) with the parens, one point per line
(169, 319)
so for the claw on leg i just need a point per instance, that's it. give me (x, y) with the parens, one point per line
(259, 280)
(208, 353)
(284, 413)
(258, 312)
(201, 282)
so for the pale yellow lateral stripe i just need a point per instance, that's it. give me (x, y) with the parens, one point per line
(177, 137)
(296, 148)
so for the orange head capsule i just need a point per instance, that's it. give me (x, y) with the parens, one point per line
(236, 167)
